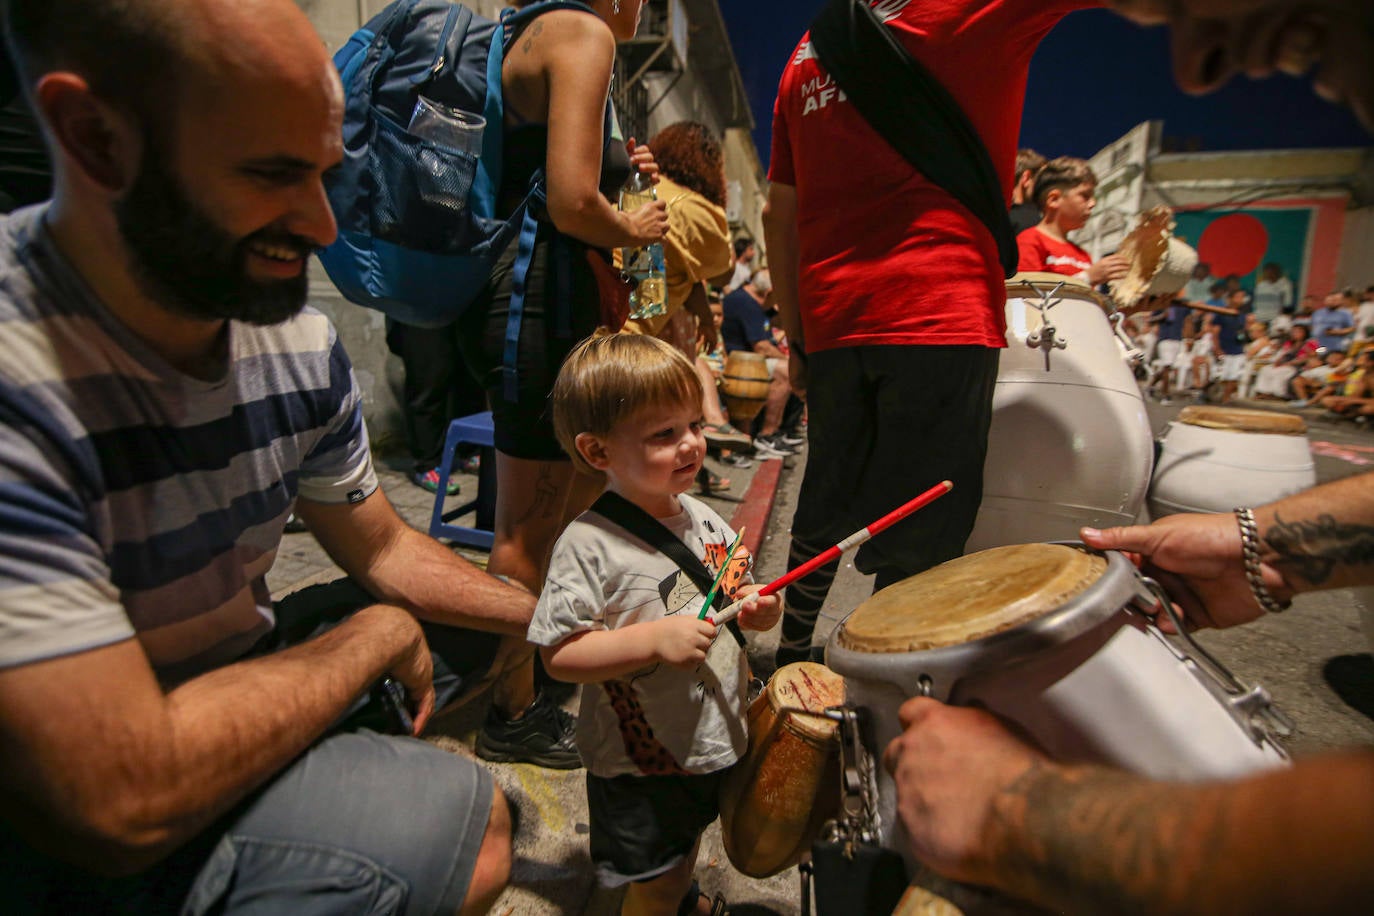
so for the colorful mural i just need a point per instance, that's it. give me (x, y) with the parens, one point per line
(1240, 242)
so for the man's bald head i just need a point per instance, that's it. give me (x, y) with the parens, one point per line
(137, 54)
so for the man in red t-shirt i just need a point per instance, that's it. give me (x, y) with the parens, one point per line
(1065, 190)
(894, 292)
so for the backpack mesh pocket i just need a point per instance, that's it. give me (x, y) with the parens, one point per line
(420, 198)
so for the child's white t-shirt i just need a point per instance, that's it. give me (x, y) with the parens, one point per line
(603, 578)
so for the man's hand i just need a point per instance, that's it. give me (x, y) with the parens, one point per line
(950, 766)
(413, 666)
(758, 612)
(1198, 560)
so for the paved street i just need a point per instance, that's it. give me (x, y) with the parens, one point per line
(1314, 660)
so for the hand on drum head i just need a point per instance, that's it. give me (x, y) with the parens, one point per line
(1197, 558)
(955, 769)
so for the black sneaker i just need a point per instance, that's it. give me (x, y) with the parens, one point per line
(543, 736)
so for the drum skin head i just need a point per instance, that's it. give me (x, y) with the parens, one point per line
(970, 597)
(809, 686)
(1238, 419)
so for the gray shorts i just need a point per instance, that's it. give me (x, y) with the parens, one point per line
(359, 824)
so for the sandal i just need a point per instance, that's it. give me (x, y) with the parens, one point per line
(710, 482)
(723, 435)
(688, 906)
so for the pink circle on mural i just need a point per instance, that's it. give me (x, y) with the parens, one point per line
(1233, 244)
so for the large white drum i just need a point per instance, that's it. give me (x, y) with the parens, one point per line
(1070, 443)
(1213, 459)
(1052, 637)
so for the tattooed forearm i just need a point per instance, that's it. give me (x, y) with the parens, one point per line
(1092, 840)
(1314, 549)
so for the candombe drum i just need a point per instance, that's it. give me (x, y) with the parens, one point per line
(1055, 638)
(744, 386)
(775, 800)
(1070, 443)
(1213, 459)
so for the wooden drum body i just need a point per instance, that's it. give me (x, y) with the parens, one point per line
(1213, 459)
(744, 386)
(774, 802)
(1048, 636)
(1070, 443)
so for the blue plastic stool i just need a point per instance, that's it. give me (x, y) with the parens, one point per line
(474, 430)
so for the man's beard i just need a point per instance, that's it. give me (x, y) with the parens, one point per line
(189, 265)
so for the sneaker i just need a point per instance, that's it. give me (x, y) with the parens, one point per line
(736, 460)
(1164, 401)
(764, 450)
(775, 444)
(543, 736)
(791, 439)
(1297, 403)
(294, 525)
(723, 435)
(429, 480)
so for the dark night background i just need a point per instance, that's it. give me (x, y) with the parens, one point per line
(1095, 77)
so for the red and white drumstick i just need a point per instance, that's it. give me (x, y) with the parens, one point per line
(854, 540)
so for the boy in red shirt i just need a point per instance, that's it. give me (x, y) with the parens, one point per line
(1065, 193)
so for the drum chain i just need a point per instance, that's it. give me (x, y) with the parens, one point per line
(1251, 706)
(858, 821)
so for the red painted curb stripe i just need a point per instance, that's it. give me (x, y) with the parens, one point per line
(757, 504)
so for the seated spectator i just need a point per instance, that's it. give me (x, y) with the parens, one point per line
(1199, 285)
(1333, 323)
(1168, 323)
(1271, 382)
(1065, 192)
(1193, 365)
(173, 741)
(1355, 395)
(746, 327)
(1324, 374)
(1364, 316)
(746, 252)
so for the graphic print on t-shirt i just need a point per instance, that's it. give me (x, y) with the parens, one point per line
(679, 596)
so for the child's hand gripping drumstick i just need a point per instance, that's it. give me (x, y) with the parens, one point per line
(854, 540)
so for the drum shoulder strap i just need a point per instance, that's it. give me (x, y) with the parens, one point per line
(651, 531)
(912, 111)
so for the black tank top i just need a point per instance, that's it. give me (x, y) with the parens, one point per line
(526, 148)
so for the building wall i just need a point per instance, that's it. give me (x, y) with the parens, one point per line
(678, 96)
(1355, 267)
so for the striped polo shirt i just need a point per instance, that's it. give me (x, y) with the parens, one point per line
(138, 501)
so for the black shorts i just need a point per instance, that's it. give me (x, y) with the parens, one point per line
(561, 309)
(641, 826)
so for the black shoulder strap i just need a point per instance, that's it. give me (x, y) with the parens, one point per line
(652, 532)
(907, 106)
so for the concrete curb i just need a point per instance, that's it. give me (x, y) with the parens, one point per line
(757, 505)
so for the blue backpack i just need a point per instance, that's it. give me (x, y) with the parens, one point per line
(404, 248)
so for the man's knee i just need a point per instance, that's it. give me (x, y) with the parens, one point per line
(491, 873)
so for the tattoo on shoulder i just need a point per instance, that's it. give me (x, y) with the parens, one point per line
(1315, 547)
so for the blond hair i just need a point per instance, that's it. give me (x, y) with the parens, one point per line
(1061, 174)
(610, 377)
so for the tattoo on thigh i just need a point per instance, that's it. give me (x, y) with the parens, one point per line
(545, 503)
(1314, 548)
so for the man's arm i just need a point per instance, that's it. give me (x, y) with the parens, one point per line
(402, 566)
(1320, 538)
(784, 258)
(100, 767)
(981, 806)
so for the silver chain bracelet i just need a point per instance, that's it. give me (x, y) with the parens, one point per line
(1249, 551)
